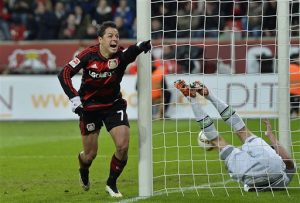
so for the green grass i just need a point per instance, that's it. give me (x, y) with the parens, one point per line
(38, 163)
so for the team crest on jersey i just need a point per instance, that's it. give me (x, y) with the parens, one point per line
(94, 66)
(112, 63)
(74, 62)
(90, 126)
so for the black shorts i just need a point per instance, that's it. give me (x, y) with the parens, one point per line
(114, 116)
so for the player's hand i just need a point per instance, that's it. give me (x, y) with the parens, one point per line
(77, 105)
(79, 110)
(145, 46)
(268, 126)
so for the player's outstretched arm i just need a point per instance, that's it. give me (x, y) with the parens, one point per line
(130, 54)
(277, 146)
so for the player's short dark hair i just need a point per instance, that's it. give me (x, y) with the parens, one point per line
(101, 29)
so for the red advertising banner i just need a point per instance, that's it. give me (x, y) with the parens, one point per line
(53, 55)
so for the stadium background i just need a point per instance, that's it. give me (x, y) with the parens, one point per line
(38, 162)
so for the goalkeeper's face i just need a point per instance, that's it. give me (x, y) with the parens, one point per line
(109, 42)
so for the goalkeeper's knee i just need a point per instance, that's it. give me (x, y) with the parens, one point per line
(230, 117)
(208, 127)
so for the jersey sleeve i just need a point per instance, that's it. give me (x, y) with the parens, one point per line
(129, 55)
(69, 70)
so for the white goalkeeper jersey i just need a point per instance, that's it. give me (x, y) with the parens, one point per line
(256, 164)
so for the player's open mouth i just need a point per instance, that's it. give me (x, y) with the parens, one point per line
(113, 46)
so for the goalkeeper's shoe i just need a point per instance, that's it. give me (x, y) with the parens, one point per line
(84, 178)
(184, 88)
(200, 88)
(113, 191)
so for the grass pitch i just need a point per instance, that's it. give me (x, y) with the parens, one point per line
(38, 163)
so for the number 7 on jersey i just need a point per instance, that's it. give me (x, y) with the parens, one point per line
(122, 114)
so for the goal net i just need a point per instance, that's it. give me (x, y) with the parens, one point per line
(237, 49)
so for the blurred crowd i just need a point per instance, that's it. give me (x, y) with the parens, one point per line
(214, 18)
(77, 19)
(64, 19)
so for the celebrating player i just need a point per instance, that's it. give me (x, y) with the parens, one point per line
(99, 100)
(256, 164)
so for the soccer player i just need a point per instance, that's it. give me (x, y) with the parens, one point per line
(255, 164)
(99, 100)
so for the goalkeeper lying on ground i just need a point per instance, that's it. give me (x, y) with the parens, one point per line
(256, 164)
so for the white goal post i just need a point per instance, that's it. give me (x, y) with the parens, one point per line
(144, 103)
(283, 42)
(169, 158)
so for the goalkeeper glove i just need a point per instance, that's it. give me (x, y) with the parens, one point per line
(145, 46)
(77, 105)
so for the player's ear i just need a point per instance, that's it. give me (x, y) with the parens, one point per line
(99, 39)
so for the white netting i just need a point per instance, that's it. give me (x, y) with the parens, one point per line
(232, 47)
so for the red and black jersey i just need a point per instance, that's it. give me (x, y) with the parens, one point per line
(100, 83)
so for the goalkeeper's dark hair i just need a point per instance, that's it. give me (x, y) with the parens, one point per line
(101, 29)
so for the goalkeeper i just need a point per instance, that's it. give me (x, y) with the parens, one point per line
(256, 164)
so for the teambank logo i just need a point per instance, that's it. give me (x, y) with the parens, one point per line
(49, 100)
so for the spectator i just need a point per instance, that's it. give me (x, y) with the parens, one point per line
(125, 12)
(91, 32)
(295, 18)
(103, 12)
(211, 22)
(87, 5)
(295, 85)
(168, 60)
(82, 21)
(60, 11)
(168, 11)
(156, 29)
(20, 10)
(42, 19)
(32, 28)
(160, 94)
(270, 18)
(188, 19)
(4, 21)
(190, 58)
(46, 22)
(252, 23)
(68, 28)
(123, 30)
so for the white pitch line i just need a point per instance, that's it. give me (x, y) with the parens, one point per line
(134, 199)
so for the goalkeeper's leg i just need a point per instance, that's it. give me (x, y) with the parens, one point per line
(207, 125)
(205, 122)
(227, 113)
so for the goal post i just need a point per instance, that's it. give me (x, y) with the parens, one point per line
(144, 103)
(247, 67)
(283, 43)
